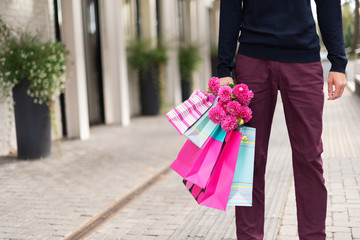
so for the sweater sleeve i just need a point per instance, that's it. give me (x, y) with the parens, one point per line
(230, 20)
(330, 23)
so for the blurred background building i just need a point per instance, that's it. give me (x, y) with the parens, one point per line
(101, 87)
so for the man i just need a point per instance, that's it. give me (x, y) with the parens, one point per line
(279, 50)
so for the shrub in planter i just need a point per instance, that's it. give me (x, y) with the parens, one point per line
(33, 72)
(147, 60)
(189, 60)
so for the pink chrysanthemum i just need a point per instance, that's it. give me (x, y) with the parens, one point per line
(245, 99)
(240, 89)
(216, 114)
(229, 123)
(225, 93)
(214, 85)
(222, 103)
(245, 114)
(233, 108)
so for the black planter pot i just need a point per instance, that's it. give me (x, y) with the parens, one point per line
(32, 121)
(149, 92)
(185, 89)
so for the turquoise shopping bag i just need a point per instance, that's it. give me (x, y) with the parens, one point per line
(242, 184)
(201, 130)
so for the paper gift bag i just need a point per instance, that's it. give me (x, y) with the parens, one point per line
(217, 190)
(242, 184)
(197, 163)
(188, 112)
(200, 172)
(200, 131)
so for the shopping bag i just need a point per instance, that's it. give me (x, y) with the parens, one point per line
(201, 170)
(217, 190)
(200, 131)
(197, 163)
(187, 113)
(242, 184)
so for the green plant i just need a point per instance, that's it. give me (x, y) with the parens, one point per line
(348, 23)
(214, 51)
(189, 60)
(143, 57)
(214, 59)
(23, 55)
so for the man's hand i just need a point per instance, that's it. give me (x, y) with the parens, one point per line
(226, 81)
(336, 80)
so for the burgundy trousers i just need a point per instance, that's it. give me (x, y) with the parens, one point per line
(301, 89)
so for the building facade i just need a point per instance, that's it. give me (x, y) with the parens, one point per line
(101, 87)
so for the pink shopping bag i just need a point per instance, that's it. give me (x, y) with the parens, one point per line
(187, 113)
(196, 164)
(217, 190)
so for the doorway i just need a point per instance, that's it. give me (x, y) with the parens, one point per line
(93, 61)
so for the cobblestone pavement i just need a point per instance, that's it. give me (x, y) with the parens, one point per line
(51, 198)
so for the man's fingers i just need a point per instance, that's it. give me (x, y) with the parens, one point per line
(226, 81)
(330, 89)
(339, 89)
(338, 81)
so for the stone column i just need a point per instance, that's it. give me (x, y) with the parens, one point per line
(114, 63)
(76, 99)
(203, 34)
(148, 20)
(170, 36)
(196, 31)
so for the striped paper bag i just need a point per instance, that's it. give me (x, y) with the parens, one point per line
(201, 130)
(242, 184)
(187, 113)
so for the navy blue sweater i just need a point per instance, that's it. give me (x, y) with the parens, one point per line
(280, 30)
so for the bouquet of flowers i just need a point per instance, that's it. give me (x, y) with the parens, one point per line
(219, 154)
(233, 101)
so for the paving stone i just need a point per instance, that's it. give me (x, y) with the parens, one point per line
(354, 212)
(338, 229)
(342, 236)
(287, 238)
(355, 219)
(136, 237)
(288, 230)
(158, 232)
(356, 231)
(345, 224)
(343, 216)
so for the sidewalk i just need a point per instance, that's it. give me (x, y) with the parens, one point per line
(54, 197)
(50, 198)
